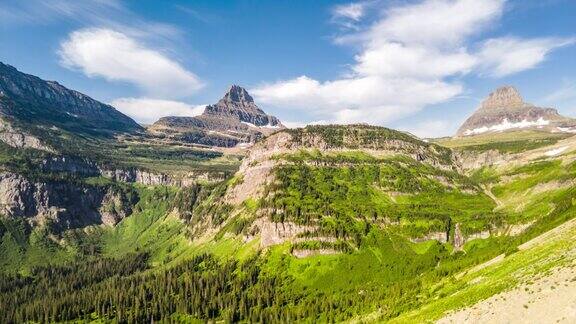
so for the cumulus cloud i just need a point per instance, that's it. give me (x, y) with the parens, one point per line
(147, 111)
(399, 60)
(101, 52)
(397, 71)
(504, 56)
(359, 99)
(435, 22)
(410, 57)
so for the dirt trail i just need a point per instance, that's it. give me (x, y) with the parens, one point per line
(488, 192)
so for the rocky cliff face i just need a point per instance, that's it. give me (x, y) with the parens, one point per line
(19, 139)
(257, 168)
(504, 110)
(239, 105)
(30, 100)
(62, 205)
(86, 168)
(233, 120)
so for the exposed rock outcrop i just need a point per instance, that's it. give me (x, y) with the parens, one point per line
(277, 233)
(19, 139)
(471, 160)
(233, 120)
(441, 237)
(86, 168)
(299, 253)
(62, 205)
(238, 104)
(459, 238)
(256, 168)
(504, 109)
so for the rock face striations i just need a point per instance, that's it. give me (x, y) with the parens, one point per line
(233, 120)
(505, 110)
(238, 104)
(62, 205)
(30, 100)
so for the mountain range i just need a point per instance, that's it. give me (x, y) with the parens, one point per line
(104, 220)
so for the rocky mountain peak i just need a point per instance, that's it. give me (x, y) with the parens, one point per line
(234, 119)
(503, 97)
(237, 94)
(238, 104)
(505, 110)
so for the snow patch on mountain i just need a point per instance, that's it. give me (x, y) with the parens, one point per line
(506, 125)
(263, 126)
(567, 129)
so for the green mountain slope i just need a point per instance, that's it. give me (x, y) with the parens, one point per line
(321, 224)
(29, 100)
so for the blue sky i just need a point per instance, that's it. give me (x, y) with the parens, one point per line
(421, 66)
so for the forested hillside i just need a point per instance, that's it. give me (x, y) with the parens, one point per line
(326, 223)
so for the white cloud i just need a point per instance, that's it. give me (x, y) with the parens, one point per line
(349, 16)
(147, 111)
(504, 56)
(42, 11)
(112, 14)
(100, 52)
(398, 60)
(409, 58)
(430, 128)
(436, 22)
(397, 71)
(353, 11)
(360, 99)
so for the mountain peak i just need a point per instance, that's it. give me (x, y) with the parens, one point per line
(237, 103)
(235, 117)
(503, 97)
(504, 109)
(238, 94)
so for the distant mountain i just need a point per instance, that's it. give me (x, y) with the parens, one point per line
(504, 110)
(28, 100)
(234, 119)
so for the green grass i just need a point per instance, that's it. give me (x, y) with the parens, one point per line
(22, 248)
(354, 137)
(135, 151)
(519, 267)
(518, 196)
(343, 193)
(505, 142)
(373, 205)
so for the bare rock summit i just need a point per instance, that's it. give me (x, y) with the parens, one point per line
(506, 110)
(233, 120)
